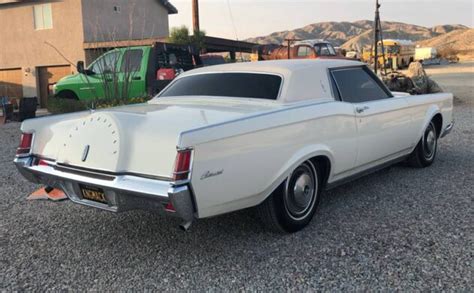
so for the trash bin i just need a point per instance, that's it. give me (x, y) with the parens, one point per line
(28, 106)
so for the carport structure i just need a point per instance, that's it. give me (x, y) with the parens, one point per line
(212, 44)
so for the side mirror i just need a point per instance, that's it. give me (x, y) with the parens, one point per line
(80, 66)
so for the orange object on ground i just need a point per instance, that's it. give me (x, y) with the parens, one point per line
(47, 193)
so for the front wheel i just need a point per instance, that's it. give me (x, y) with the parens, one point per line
(425, 152)
(291, 206)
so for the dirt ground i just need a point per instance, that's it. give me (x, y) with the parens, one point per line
(400, 229)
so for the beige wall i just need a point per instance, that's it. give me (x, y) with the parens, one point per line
(23, 46)
(102, 23)
(74, 22)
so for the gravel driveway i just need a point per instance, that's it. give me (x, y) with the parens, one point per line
(400, 228)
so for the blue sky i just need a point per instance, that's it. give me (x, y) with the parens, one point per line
(261, 17)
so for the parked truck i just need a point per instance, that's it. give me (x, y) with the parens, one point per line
(425, 53)
(128, 72)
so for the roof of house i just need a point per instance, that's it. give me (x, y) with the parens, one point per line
(167, 4)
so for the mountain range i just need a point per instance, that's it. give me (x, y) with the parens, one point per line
(359, 34)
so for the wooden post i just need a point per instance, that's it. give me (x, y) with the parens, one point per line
(232, 55)
(195, 16)
(376, 36)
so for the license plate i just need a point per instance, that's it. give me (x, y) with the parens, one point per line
(93, 193)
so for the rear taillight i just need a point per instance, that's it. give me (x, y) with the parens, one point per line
(182, 166)
(25, 144)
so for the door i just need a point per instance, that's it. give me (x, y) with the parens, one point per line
(133, 73)
(383, 121)
(11, 83)
(102, 78)
(47, 78)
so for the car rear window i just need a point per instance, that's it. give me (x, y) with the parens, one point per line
(242, 85)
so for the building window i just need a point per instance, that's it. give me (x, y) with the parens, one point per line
(43, 16)
(117, 9)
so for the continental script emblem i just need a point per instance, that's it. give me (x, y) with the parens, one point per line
(208, 174)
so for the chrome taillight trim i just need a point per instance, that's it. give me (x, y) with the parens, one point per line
(30, 149)
(189, 171)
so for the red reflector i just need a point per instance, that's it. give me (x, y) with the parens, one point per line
(182, 165)
(25, 144)
(42, 163)
(170, 208)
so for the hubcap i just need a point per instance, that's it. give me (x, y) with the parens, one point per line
(429, 142)
(300, 192)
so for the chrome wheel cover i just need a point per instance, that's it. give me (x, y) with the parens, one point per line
(301, 191)
(429, 142)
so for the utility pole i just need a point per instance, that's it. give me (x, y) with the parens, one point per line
(289, 41)
(195, 16)
(378, 38)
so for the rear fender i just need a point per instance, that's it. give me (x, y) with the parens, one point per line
(297, 159)
(430, 113)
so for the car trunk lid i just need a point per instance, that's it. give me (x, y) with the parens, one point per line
(142, 139)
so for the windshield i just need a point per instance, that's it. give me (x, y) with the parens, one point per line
(242, 85)
(393, 49)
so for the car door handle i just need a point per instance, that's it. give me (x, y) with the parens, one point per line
(136, 78)
(362, 109)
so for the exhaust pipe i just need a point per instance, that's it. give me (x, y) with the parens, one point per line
(185, 226)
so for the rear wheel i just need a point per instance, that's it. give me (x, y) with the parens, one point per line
(425, 152)
(292, 206)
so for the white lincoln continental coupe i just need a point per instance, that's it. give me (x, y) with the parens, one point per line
(271, 135)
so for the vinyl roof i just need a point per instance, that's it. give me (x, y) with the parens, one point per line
(277, 66)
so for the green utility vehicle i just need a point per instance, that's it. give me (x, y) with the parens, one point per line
(128, 72)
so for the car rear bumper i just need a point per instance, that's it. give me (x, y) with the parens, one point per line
(447, 129)
(122, 192)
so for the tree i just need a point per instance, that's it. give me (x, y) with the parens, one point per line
(198, 39)
(180, 35)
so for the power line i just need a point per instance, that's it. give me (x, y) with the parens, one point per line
(232, 20)
(233, 25)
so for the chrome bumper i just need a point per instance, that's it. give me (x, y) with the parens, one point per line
(123, 192)
(448, 129)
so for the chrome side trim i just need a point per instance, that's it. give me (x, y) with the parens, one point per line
(294, 106)
(447, 130)
(363, 173)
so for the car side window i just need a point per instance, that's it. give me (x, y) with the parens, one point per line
(358, 84)
(132, 60)
(324, 50)
(106, 64)
(304, 51)
(332, 52)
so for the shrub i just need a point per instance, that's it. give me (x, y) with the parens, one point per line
(61, 106)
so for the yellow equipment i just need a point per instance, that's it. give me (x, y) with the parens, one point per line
(398, 54)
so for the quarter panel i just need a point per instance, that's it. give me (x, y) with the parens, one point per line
(248, 163)
(424, 107)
